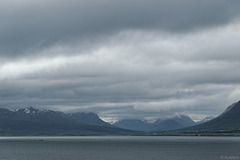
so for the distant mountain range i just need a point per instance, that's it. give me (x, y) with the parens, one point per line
(177, 122)
(228, 122)
(30, 121)
(206, 119)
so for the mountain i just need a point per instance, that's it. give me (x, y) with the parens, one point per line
(168, 124)
(206, 119)
(179, 121)
(184, 120)
(133, 124)
(88, 118)
(176, 122)
(33, 114)
(227, 122)
(30, 121)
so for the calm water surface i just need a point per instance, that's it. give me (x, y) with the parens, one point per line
(119, 148)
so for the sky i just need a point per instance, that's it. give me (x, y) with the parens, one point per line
(120, 59)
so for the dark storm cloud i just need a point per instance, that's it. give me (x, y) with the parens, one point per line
(29, 26)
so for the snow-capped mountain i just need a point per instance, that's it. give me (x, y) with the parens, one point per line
(33, 121)
(179, 121)
(206, 119)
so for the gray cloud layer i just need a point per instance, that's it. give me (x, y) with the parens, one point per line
(28, 26)
(120, 59)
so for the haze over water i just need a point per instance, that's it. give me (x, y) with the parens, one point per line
(119, 148)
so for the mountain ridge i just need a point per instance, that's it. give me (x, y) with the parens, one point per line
(30, 121)
(227, 122)
(179, 121)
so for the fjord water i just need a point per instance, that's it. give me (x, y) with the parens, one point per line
(119, 148)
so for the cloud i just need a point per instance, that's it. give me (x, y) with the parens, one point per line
(119, 60)
(29, 26)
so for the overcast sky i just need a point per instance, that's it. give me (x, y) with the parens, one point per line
(120, 58)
